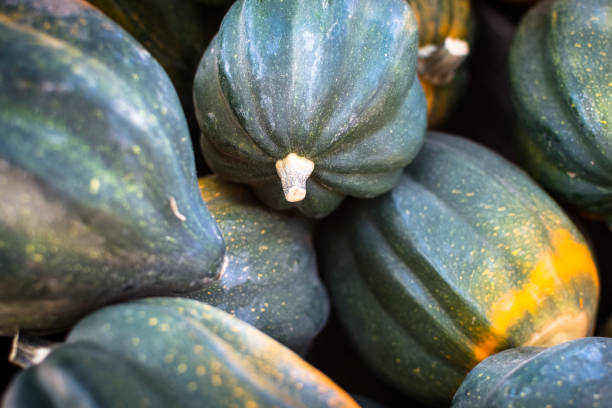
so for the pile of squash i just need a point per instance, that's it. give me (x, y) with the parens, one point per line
(305, 203)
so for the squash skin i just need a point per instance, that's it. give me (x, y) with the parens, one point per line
(175, 32)
(359, 122)
(438, 20)
(270, 278)
(577, 373)
(562, 88)
(101, 200)
(177, 353)
(452, 265)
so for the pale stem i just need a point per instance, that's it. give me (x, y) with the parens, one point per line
(29, 350)
(438, 64)
(293, 172)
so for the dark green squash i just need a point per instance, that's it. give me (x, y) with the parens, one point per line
(561, 74)
(465, 257)
(171, 352)
(175, 32)
(270, 277)
(573, 374)
(445, 36)
(100, 199)
(310, 100)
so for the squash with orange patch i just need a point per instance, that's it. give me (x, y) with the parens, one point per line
(465, 257)
(171, 352)
(445, 28)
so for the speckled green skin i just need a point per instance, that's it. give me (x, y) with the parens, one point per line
(94, 150)
(270, 277)
(561, 73)
(175, 32)
(170, 352)
(573, 374)
(414, 274)
(331, 81)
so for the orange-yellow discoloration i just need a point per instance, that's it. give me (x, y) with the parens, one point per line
(556, 269)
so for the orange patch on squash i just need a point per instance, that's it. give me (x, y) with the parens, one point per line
(555, 270)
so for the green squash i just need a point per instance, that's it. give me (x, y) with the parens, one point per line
(445, 36)
(573, 374)
(100, 199)
(171, 352)
(465, 257)
(561, 75)
(310, 100)
(270, 277)
(175, 32)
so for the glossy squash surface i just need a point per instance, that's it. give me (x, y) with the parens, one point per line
(445, 31)
(175, 32)
(573, 374)
(171, 352)
(270, 277)
(310, 101)
(561, 74)
(465, 257)
(100, 199)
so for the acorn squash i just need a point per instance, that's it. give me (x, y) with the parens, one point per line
(175, 32)
(99, 193)
(171, 352)
(445, 36)
(270, 277)
(310, 100)
(465, 257)
(573, 374)
(561, 75)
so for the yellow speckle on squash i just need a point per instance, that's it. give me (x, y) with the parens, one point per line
(216, 379)
(94, 186)
(181, 368)
(152, 321)
(200, 370)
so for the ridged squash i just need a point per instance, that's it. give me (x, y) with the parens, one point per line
(270, 277)
(171, 352)
(573, 374)
(175, 32)
(309, 101)
(445, 36)
(561, 76)
(100, 200)
(465, 257)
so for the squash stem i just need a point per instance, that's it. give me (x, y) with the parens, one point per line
(437, 64)
(293, 172)
(29, 350)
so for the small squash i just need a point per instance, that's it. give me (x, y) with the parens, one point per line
(270, 277)
(99, 193)
(561, 75)
(465, 257)
(573, 374)
(310, 100)
(445, 28)
(171, 352)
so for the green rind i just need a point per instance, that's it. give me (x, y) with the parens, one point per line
(415, 273)
(269, 279)
(175, 32)
(573, 374)
(181, 351)
(333, 82)
(101, 198)
(562, 88)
